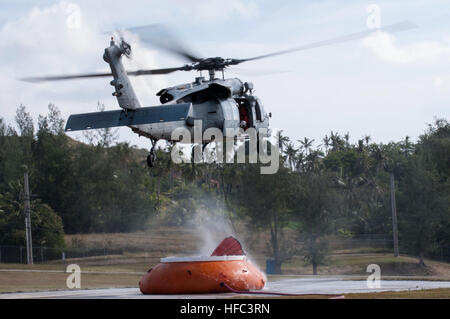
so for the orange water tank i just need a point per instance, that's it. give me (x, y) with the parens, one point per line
(183, 275)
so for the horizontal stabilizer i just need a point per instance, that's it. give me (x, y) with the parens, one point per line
(144, 115)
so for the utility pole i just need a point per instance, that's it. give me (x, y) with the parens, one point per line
(28, 219)
(394, 215)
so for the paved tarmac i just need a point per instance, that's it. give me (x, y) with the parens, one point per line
(322, 285)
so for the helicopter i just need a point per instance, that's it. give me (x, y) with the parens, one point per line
(218, 102)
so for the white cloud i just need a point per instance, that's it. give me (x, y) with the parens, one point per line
(43, 43)
(384, 46)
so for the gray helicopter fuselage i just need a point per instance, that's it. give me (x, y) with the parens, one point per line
(215, 103)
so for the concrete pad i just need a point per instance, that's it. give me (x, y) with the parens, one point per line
(323, 285)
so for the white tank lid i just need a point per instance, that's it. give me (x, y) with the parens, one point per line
(201, 258)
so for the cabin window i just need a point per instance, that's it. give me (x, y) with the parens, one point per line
(258, 111)
(244, 116)
(245, 112)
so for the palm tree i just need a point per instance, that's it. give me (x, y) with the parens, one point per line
(291, 153)
(347, 138)
(306, 144)
(282, 141)
(314, 161)
(300, 162)
(326, 142)
(336, 141)
(12, 200)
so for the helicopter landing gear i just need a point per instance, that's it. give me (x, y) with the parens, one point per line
(151, 157)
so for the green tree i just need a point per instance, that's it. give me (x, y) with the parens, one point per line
(421, 209)
(424, 189)
(315, 207)
(24, 121)
(46, 226)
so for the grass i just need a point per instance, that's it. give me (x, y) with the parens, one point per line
(28, 281)
(356, 264)
(160, 240)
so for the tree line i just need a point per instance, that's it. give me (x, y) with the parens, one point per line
(94, 187)
(323, 188)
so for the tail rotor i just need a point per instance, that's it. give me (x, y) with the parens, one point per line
(124, 46)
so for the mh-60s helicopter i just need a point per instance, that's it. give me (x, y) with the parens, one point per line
(218, 102)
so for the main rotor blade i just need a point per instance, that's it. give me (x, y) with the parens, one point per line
(159, 71)
(397, 27)
(64, 77)
(158, 35)
(96, 75)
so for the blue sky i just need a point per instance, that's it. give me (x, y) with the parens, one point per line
(386, 86)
